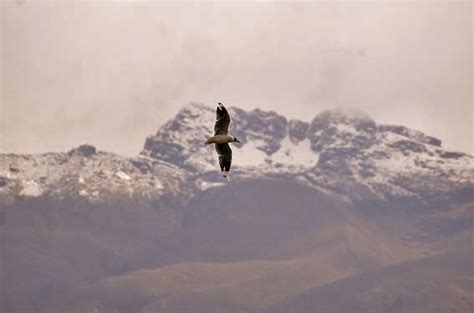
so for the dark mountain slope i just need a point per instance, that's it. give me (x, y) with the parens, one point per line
(252, 218)
(442, 283)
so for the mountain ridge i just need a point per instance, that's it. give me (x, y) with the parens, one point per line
(342, 152)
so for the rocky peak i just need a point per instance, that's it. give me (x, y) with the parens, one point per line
(184, 135)
(83, 150)
(343, 129)
(410, 134)
(269, 128)
(297, 130)
(190, 115)
(348, 117)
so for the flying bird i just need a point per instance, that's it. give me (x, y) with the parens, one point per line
(221, 139)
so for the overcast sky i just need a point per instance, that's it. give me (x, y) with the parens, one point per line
(110, 73)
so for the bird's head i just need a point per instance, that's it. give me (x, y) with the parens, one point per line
(236, 140)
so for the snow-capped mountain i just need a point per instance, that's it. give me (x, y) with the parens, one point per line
(345, 151)
(84, 173)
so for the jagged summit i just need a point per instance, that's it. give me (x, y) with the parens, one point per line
(268, 137)
(344, 116)
(338, 149)
(84, 150)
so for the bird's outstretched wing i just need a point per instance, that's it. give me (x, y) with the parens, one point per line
(222, 120)
(225, 156)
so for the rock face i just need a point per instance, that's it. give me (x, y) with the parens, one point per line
(297, 130)
(84, 150)
(308, 204)
(409, 133)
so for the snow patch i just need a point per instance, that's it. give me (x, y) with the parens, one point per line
(250, 154)
(346, 128)
(30, 189)
(158, 184)
(205, 159)
(122, 175)
(396, 163)
(204, 185)
(291, 153)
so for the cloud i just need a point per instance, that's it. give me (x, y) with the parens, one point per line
(110, 73)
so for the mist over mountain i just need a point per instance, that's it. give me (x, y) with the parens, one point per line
(336, 213)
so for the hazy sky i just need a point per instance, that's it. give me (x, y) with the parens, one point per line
(110, 73)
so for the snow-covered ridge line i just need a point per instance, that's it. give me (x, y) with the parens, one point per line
(342, 152)
(86, 173)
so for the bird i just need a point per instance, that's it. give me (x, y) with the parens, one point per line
(221, 139)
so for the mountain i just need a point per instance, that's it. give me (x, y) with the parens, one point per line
(309, 207)
(346, 152)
